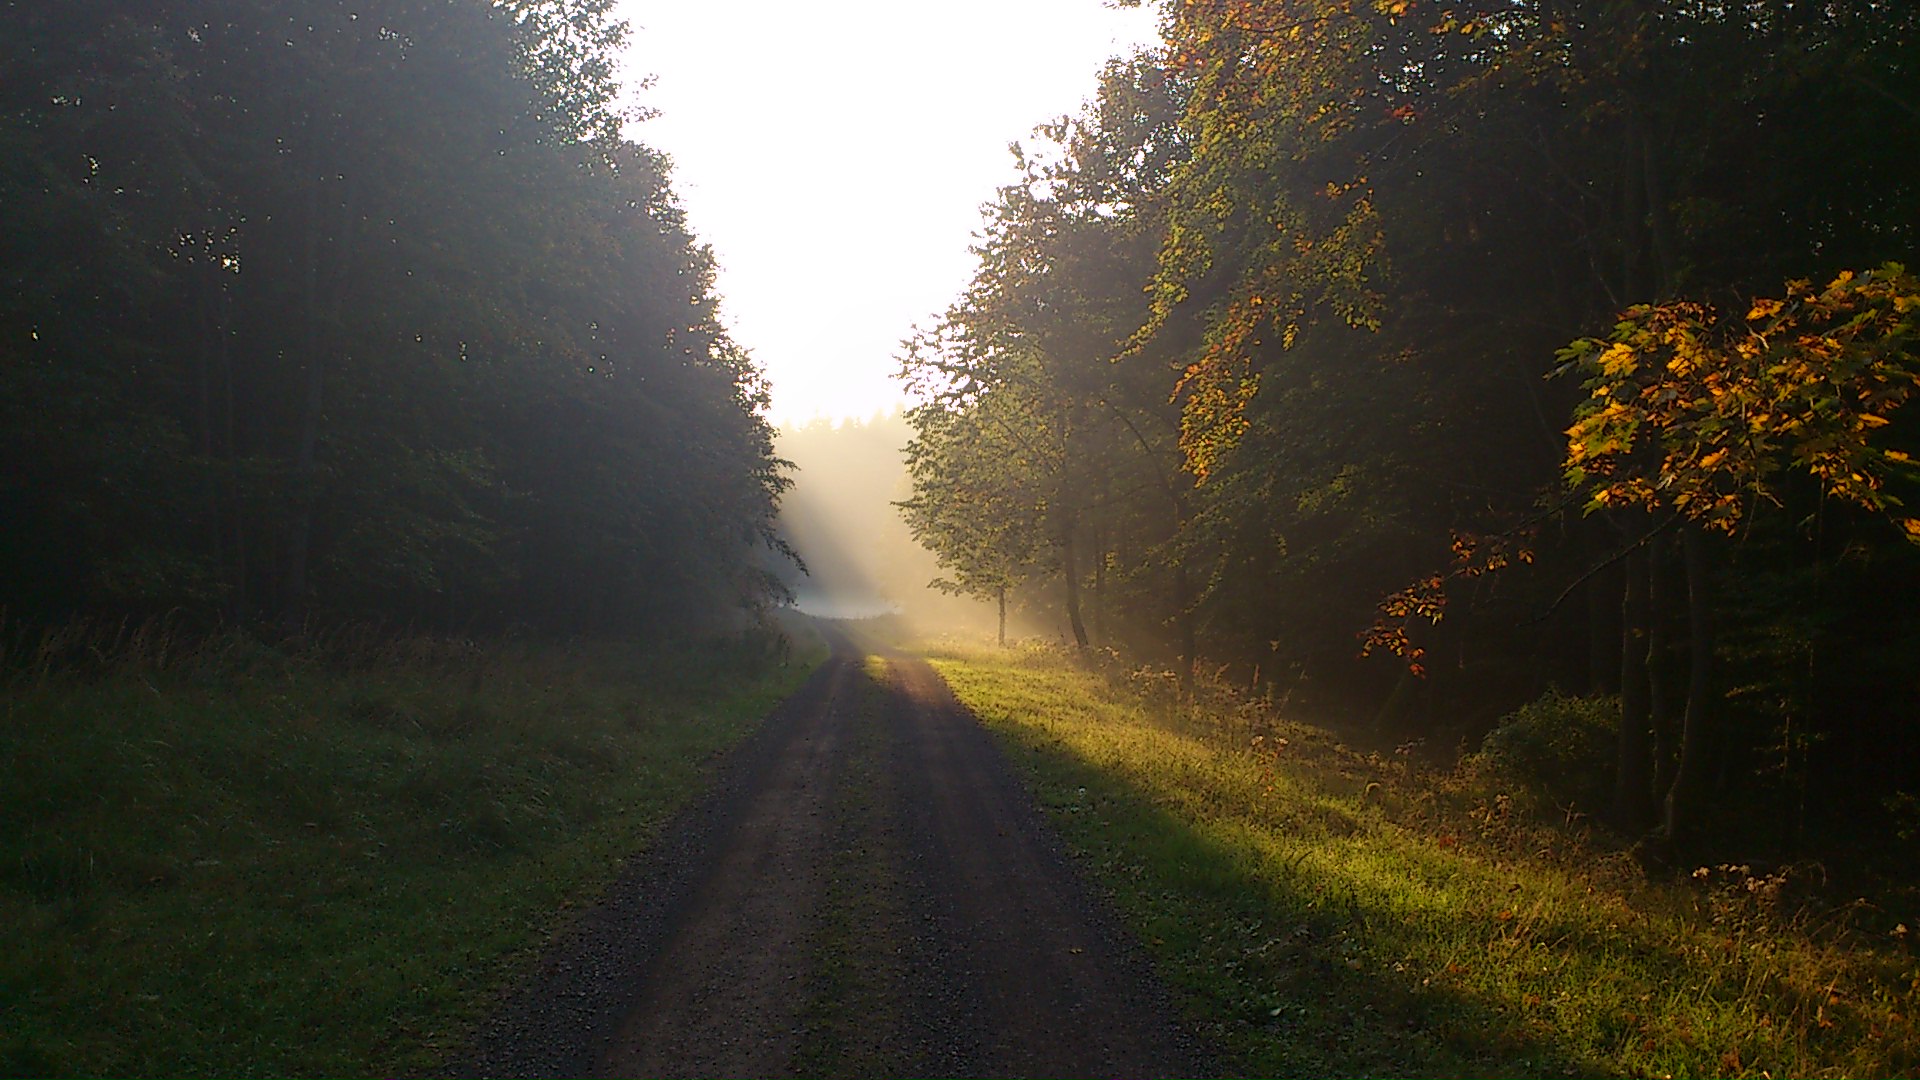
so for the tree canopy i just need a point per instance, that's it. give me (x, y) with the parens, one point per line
(1297, 347)
(360, 311)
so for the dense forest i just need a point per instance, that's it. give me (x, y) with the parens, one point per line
(1449, 460)
(1409, 361)
(1400, 360)
(329, 312)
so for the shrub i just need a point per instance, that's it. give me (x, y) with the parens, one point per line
(1551, 754)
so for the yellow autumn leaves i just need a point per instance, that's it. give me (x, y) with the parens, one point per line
(1698, 415)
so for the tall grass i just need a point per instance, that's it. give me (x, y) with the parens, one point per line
(226, 857)
(1334, 912)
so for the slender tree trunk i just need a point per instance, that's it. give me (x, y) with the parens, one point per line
(214, 329)
(236, 524)
(1001, 595)
(1603, 638)
(1659, 221)
(1070, 568)
(1696, 736)
(1603, 615)
(1632, 781)
(1100, 590)
(1633, 216)
(1183, 601)
(1660, 666)
(1183, 616)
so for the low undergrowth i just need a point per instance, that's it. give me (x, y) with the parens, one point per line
(237, 859)
(1329, 912)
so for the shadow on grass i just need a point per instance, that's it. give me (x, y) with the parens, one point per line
(1323, 914)
(1288, 973)
(1314, 935)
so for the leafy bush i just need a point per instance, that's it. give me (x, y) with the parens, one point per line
(1552, 753)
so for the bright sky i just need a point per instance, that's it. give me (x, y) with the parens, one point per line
(836, 155)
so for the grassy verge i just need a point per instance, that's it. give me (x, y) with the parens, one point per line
(1332, 913)
(245, 862)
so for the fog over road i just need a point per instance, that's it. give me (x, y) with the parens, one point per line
(869, 890)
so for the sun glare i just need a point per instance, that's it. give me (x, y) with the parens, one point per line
(836, 156)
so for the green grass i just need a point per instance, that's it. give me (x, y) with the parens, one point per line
(244, 862)
(1327, 912)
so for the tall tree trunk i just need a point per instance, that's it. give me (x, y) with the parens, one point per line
(1603, 636)
(1183, 598)
(1001, 595)
(1070, 568)
(207, 361)
(1633, 758)
(1603, 612)
(1633, 216)
(1183, 614)
(238, 607)
(1659, 220)
(1696, 736)
(1100, 589)
(1660, 666)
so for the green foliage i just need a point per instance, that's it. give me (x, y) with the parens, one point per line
(973, 504)
(1553, 754)
(236, 859)
(359, 312)
(1045, 451)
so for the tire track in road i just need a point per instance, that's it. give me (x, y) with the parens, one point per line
(870, 891)
(1049, 982)
(736, 969)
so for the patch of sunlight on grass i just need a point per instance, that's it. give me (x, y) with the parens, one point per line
(1322, 912)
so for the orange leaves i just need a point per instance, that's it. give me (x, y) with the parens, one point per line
(1213, 416)
(1699, 414)
(1473, 556)
(1426, 600)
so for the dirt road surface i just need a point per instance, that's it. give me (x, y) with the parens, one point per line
(868, 891)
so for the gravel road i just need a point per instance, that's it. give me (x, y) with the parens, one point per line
(867, 891)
